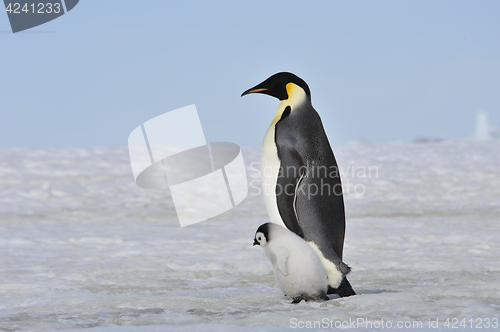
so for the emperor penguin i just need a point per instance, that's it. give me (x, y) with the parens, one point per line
(297, 268)
(300, 177)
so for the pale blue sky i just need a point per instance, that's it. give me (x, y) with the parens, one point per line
(378, 70)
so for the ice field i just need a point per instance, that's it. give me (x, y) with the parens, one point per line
(81, 246)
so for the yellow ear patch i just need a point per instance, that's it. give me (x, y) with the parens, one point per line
(290, 87)
(296, 96)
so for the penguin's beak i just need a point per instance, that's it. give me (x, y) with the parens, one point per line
(255, 89)
(255, 243)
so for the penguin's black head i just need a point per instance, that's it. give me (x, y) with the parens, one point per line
(279, 86)
(262, 235)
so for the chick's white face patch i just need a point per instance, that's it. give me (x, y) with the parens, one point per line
(261, 238)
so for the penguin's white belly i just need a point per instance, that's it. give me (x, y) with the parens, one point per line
(270, 165)
(334, 275)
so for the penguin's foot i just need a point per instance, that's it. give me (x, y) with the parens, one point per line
(298, 299)
(344, 290)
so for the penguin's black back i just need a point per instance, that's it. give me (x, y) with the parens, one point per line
(307, 157)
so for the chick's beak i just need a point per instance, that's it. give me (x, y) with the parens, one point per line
(255, 243)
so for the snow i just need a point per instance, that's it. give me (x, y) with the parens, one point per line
(81, 246)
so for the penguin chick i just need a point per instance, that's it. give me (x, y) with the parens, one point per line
(297, 268)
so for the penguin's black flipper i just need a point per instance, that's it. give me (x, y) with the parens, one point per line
(344, 290)
(288, 180)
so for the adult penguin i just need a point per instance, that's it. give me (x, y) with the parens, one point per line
(300, 176)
